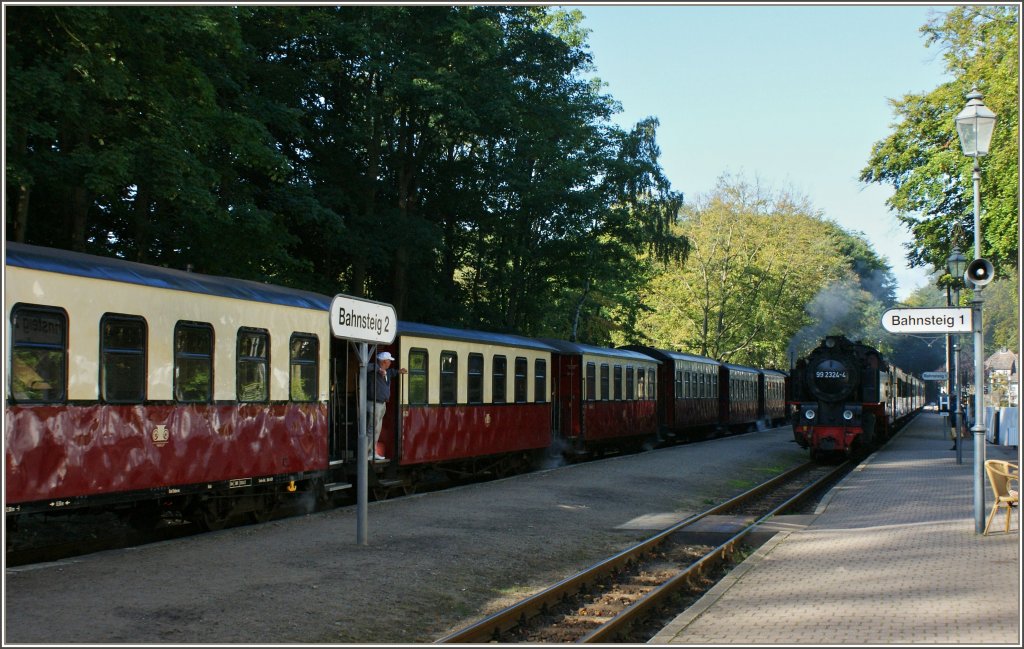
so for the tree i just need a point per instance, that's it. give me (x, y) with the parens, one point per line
(922, 158)
(755, 261)
(1001, 314)
(133, 126)
(455, 161)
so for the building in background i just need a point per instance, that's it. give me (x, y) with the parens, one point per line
(1001, 378)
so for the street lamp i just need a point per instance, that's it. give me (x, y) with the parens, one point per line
(974, 125)
(956, 264)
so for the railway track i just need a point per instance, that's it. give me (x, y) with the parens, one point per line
(612, 600)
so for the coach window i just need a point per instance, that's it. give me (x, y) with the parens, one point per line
(604, 382)
(641, 387)
(303, 362)
(499, 372)
(418, 377)
(39, 350)
(193, 362)
(591, 378)
(629, 383)
(651, 382)
(475, 378)
(253, 359)
(540, 380)
(617, 381)
(122, 359)
(449, 378)
(522, 367)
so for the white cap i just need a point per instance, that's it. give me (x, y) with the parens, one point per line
(385, 356)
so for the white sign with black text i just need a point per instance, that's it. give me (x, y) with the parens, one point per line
(950, 320)
(363, 320)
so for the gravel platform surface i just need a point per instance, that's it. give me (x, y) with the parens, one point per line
(434, 563)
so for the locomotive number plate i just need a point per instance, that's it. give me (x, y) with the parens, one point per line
(830, 374)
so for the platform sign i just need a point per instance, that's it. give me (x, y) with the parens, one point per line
(363, 320)
(950, 320)
(935, 376)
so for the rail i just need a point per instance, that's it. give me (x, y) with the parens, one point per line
(496, 625)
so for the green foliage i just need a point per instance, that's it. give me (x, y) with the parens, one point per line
(133, 126)
(457, 161)
(922, 158)
(755, 261)
(1001, 313)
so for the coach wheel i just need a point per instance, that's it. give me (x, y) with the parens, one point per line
(145, 516)
(265, 506)
(213, 514)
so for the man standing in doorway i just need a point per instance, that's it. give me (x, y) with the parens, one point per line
(379, 376)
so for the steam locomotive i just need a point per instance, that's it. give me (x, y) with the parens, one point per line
(846, 399)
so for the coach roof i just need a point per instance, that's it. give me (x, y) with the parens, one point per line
(568, 347)
(406, 328)
(668, 354)
(119, 270)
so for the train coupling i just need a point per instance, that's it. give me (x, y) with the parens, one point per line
(292, 487)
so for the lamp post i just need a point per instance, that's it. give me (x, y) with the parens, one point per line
(974, 125)
(956, 264)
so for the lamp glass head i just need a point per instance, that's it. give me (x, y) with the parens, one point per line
(975, 124)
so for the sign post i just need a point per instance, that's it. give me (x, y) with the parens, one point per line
(363, 322)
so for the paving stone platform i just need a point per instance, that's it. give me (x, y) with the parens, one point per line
(891, 556)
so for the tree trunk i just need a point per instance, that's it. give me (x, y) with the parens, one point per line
(19, 224)
(79, 215)
(579, 310)
(141, 226)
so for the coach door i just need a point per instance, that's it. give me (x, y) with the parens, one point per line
(344, 415)
(566, 395)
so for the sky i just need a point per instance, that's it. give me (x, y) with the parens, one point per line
(791, 97)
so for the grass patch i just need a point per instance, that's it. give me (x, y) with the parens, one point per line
(745, 485)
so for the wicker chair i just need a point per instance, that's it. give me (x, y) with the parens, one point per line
(1005, 480)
